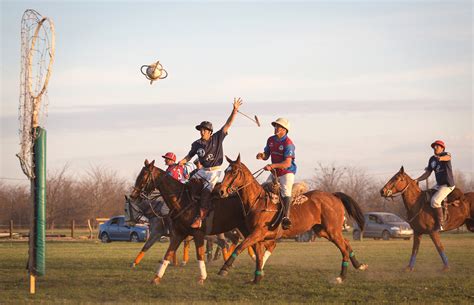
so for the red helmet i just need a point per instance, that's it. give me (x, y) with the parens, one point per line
(438, 142)
(170, 155)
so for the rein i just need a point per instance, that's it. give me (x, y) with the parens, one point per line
(401, 193)
(143, 195)
(394, 195)
(257, 173)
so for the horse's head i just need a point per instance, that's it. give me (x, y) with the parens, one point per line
(145, 181)
(234, 178)
(397, 184)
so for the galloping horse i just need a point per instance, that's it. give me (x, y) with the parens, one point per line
(227, 214)
(421, 216)
(322, 212)
(134, 211)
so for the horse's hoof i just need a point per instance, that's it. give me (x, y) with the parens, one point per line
(445, 269)
(409, 269)
(156, 280)
(339, 280)
(223, 272)
(183, 263)
(133, 265)
(201, 281)
(363, 267)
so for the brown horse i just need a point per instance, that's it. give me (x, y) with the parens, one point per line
(322, 212)
(151, 209)
(227, 214)
(421, 216)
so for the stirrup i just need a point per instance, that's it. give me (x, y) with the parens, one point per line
(286, 223)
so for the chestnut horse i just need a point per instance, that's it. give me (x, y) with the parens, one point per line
(421, 216)
(322, 212)
(227, 214)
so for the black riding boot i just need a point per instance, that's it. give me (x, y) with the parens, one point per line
(286, 222)
(205, 203)
(439, 220)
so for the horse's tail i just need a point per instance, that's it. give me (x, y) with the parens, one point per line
(352, 208)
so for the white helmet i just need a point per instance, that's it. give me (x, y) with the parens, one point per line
(283, 123)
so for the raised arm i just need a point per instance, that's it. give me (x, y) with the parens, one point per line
(237, 103)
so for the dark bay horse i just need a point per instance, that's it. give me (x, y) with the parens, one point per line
(322, 212)
(151, 209)
(421, 216)
(227, 214)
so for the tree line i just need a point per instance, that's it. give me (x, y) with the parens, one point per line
(99, 192)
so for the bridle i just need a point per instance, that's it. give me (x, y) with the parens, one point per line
(231, 190)
(145, 196)
(391, 194)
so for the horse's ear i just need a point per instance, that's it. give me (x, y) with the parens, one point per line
(146, 162)
(238, 159)
(152, 164)
(229, 160)
(402, 170)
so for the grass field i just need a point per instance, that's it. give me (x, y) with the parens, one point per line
(90, 272)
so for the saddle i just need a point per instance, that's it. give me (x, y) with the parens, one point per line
(297, 192)
(454, 198)
(273, 191)
(194, 188)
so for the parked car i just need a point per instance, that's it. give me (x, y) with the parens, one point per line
(383, 225)
(116, 229)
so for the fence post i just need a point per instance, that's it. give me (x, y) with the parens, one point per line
(11, 228)
(72, 228)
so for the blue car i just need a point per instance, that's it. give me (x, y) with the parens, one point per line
(115, 229)
(380, 225)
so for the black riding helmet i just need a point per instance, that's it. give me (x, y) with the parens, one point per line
(206, 125)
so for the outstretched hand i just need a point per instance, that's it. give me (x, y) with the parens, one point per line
(237, 103)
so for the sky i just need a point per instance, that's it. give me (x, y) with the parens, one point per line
(368, 84)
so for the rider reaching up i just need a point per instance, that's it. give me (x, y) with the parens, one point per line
(211, 155)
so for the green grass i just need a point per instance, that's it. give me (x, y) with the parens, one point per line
(91, 272)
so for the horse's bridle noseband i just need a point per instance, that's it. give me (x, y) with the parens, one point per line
(391, 194)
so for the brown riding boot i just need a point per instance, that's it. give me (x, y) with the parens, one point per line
(439, 220)
(204, 202)
(286, 222)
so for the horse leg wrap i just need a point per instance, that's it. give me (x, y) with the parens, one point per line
(354, 260)
(202, 268)
(444, 258)
(139, 257)
(162, 268)
(344, 269)
(265, 257)
(411, 264)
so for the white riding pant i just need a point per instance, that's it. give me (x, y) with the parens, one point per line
(440, 195)
(286, 183)
(210, 176)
